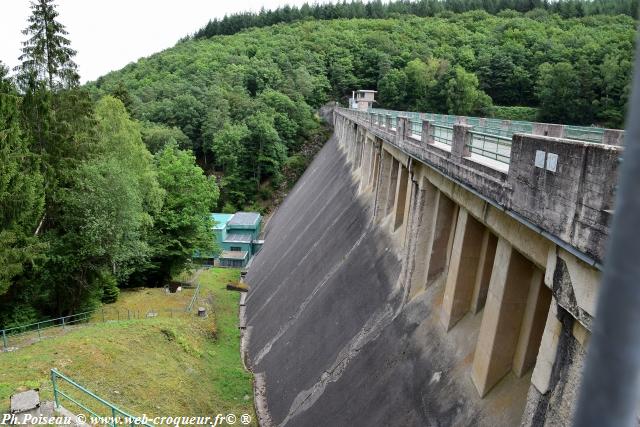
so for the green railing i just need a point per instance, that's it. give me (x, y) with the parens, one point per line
(505, 128)
(442, 133)
(492, 146)
(115, 416)
(194, 298)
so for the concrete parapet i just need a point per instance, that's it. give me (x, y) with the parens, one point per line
(565, 187)
(613, 137)
(426, 132)
(460, 141)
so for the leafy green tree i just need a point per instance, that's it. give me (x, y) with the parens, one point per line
(183, 225)
(392, 89)
(157, 136)
(557, 89)
(104, 214)
(463, 95)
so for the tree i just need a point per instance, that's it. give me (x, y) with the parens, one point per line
(183, 225)
(21, 191)
(557, 89)
(46, 55)
(104, 214)
(392, 89)
(463, 95)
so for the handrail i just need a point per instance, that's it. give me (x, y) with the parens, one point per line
(115, 411)
(592, 134)
(193, 299)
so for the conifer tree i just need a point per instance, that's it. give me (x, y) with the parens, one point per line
(46, 54)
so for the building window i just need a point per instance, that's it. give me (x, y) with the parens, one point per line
(236, 249)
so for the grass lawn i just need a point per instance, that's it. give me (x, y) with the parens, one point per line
(186, 366)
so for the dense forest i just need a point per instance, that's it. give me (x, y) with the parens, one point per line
(378, 10)
(110, 184)
(244, 103)
(84, 206)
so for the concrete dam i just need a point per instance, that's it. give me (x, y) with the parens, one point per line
(411, 279)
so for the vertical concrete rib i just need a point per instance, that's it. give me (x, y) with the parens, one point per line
(463, 267)
(444, 224)
(502, 317)
(401, 198)
(533, 322)
(427, 203)
(483, 276)
(382, 187)
(392, 186)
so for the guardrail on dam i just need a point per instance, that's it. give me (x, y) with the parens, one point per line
(411, 281)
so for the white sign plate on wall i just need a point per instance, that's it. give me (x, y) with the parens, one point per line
(540, 159)
(552, 162)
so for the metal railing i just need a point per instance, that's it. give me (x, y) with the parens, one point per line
(442, 134)
(193, 298)
(492, 146)
(506, 128)
(116, 415)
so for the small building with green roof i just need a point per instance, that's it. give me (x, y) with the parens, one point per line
(237, 236)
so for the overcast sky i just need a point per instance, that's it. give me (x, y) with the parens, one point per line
(108, 34)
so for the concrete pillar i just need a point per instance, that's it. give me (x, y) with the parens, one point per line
(427, 204)
(502, 317)
(426, 132)
(463, 267)
(613, 137)
(365, 169)
(541, 377)
(443, 230)
(401, 129)
(392, 186)
(401, 197)
(534, 318)
(375, 164)
(483, 275)
(460, 142)
(382, 186)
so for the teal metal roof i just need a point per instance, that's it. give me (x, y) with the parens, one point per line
(244, 219)
(221, 220)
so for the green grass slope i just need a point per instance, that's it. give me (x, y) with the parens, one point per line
(166, 366)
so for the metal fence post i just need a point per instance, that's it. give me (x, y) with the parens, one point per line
(63, 323)
(4, 339)
(113, 417)
(39, 337)
(55, 388)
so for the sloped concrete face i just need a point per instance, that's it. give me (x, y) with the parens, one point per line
(334, 335)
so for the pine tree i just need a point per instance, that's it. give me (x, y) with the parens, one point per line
(46, 55)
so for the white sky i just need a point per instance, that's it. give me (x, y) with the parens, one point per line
(108, 34)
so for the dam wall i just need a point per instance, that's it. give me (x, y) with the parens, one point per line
(408, 282)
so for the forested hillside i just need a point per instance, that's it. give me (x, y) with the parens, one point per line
(376, 9)
(244, 103)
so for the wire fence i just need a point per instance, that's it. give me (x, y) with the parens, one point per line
(19, 336)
